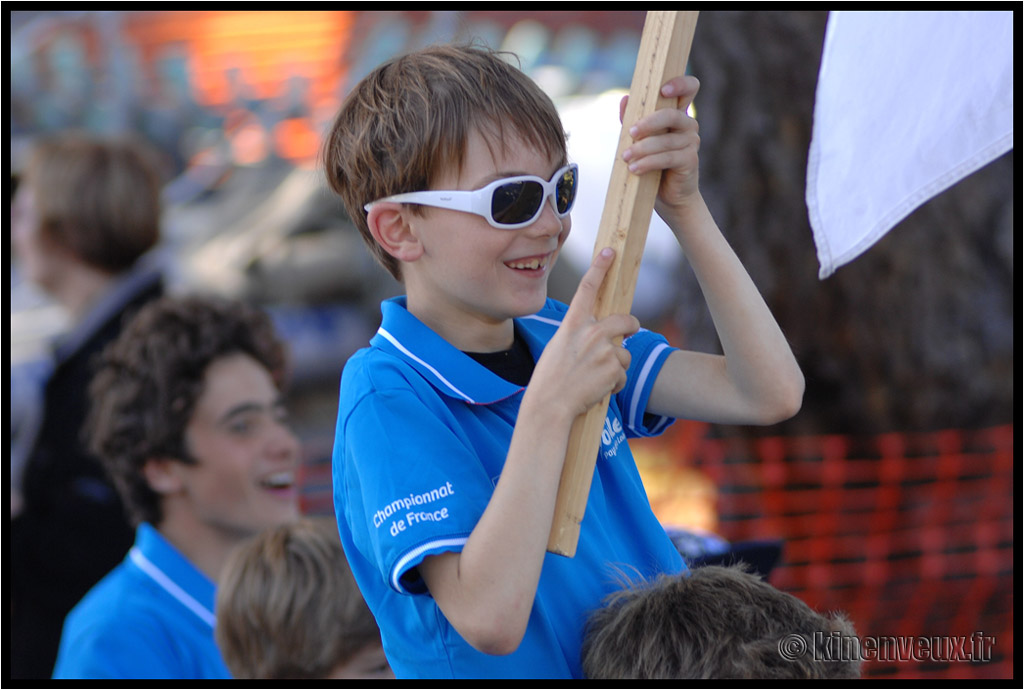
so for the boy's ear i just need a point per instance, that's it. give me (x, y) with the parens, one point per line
(388, 225)
(162, 475)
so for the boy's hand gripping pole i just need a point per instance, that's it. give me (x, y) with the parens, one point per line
(664, 51)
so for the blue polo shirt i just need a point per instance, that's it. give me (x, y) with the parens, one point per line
(150, 617)
(422, 435)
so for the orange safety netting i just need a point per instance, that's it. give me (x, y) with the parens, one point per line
(912, 535)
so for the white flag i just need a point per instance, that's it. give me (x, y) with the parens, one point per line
(907, 104)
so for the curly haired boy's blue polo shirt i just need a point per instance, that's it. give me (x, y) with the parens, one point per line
(151, 617)
(422, 435)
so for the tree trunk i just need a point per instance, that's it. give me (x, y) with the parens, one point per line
(917, 333)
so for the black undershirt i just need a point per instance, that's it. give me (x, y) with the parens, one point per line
(514, 365)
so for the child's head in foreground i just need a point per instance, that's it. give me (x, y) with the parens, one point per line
(410, 120)
(716, 622)
(288, 607)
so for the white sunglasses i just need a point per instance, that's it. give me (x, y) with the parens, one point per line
(508, 203)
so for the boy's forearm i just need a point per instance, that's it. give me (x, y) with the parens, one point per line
(488, 592)
(758, 359)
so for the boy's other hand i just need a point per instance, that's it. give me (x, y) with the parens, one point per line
(668, 140)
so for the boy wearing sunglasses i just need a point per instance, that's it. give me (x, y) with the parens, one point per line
(453, 423)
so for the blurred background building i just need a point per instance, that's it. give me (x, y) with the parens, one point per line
(891, 493)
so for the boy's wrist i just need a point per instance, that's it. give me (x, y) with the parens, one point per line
(549, 411)
(683, 206)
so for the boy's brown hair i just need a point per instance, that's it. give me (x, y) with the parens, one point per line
(99, 198)
(149, 380)
(716, 622)
(288, 605)
(411, 117)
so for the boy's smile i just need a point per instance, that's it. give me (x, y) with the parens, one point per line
(470, 279)
(535, 263)
(246, 455)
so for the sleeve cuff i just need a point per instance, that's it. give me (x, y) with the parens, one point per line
(649, 352)
(402, 578)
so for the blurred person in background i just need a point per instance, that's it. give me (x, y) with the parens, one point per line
(84, 224)
(188, 418)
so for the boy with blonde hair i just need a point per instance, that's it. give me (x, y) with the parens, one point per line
(453, 423)
(288, 607)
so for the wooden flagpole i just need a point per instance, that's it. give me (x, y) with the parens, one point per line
(664, 51)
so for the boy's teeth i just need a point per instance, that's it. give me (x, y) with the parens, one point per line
(532, 264)
(279, 480)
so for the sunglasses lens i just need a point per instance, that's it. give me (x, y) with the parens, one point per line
(516, 202)
(565, 191)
